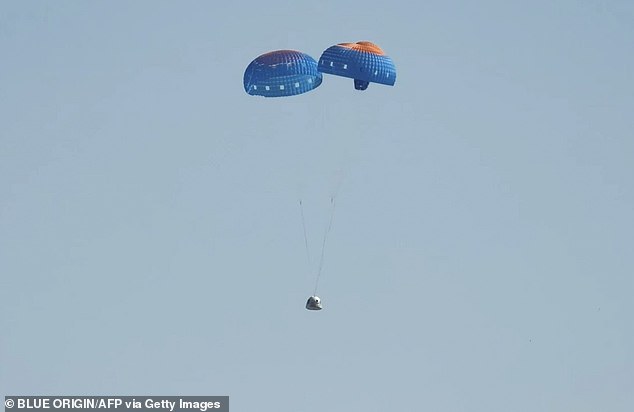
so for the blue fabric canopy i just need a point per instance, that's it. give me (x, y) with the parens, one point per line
(281, 73)
(364, 62)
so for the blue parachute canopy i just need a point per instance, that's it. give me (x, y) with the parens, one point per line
(281, 73)
(363, 61)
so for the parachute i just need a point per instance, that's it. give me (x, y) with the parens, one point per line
(281, 73)
(363, 61)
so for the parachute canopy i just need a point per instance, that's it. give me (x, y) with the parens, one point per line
(281, 73)
(363, 61)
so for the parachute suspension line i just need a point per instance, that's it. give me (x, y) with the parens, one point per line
(301, 208)
(323, 244)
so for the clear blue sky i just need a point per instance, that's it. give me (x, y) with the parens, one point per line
(482, 253)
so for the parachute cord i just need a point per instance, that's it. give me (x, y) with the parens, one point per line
(323, 245)
(301, 208)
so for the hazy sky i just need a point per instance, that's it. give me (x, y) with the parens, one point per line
(482, 252)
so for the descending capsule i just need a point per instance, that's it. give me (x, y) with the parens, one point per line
(314, 303)
(281, 73)
(363, 61)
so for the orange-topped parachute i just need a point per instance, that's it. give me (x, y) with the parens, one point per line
(365, 62)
